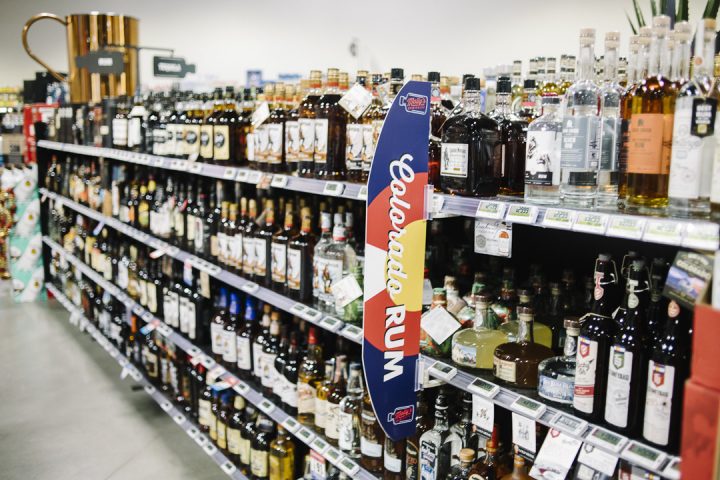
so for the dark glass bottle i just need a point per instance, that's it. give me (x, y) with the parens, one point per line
(247, 434)
(226, 132)
(372, 439)
(306, 125)
(300, 260)
(223, 419)
(438, 115)
(248, 242)
(261, 338)
(657, 307)
(229, 356)
(217, 325)
(290, 373)
(330, 125)
(234, 427)
(244, 339)
(263, 245)
(206, 129)
(510, 151)
(278, 251)
(275, 126)
(260, 448)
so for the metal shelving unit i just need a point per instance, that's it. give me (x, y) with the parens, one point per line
(78, 319)
(617, 445)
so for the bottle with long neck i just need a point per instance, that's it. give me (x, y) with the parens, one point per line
(309, 378)
(249, 257)
(351, 412)
(437, 445)
(300, 260)
(542, 158)
(580, 155)
(512, 131)
(319, 251)
(330, 124)
(306, 125)
(650, 130)
(611, 136)
(694, 148)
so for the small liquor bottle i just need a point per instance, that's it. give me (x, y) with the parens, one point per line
(509, 167)
(542, 160)
(321, 396)
(517, 362)
(290, 376)
(330, 124)
(233, 429)
(596, 333)
(474, 347)
(557, 374)
(351, 412)
(394, 459)
(438, 115)
(306, 125)
(263, 244)
(372, 438)
(247, 433)
(279, 252)
(275, 126)
(611, 136)
(468, 159)
(300, 260)
(336, 395)
(437, 444)
(462, 470)
(260, 448)
(230, 354)
(412, 445)
(249, 256)
(309, 378)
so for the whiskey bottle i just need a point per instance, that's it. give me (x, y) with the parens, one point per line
(248, 432)
(279, 251)
(275, 125)
(556, 375)
(292, 128)
(491, 465)
(300, 260)
(226, 132)
(412, 445)
(330, 124)
(282, 456)
(437, 444)
(306, 125)
(693, 150)
(263, 246)
(258, 343)
(474, 347)
(462, 470)
(309, 378)
(269, 354)
(191, 130)
(519, 471)
(372, 124)
(136, 125)
(290, 376)
(229, 332)
(249, 255)
(217, 326)
(372, 438)
(234, 427)
(626, 365)
(336, 395)
(597, 329)
(511, 131)
(517, 362)
(351, 413)
(243, 340)
(207, 138)
(580, 153)
(323, 391)
(467, 166)
(650, 128)
(260, 448)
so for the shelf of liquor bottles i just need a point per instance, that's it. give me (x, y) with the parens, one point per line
(78, 319)
(312, 439)
(522, 401)
(688, 233)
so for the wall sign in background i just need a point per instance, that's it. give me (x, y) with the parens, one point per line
(174, 67)
(105, 62)
(394, 260)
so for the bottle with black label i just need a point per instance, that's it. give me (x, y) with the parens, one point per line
(437, 444)
(229, 332)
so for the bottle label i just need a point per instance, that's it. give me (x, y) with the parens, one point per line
(268, 377)
(290, 394)
(192, 139)
(179, 139)
(454, 160)
(170, 308)
(692, 156)
(278, 255)
(354, 146)
(504, 369)
(134, 135)
(647, 149)
(275, 143)
(250, 139)
(223, 248)
(320, 413)
(221, 435)
(370, 449)
(556, 389)
(371, 133)
(190, 233)
(248, 260)
(411, 459)
(214, 246)
(244, 451)
(332, 421)
(428, 461)
(158, 136)
(257, 355)
(221, 143)
(191, 320)
(236, 250)
(183, 316)
(179, 224)
(391, 463)
(306, 130)
(618, 387)
(151, 363)
(321, 138)
(318, 268)
(294, 267)
(244, 355)
(347, 438)
(233, 441)
(152, 302)
(119, 132)
(586, 358)
(292, 141)
(658, 403)
(542, 162)
(199, 234)
(280, 384)
(260, 257)
(262, 143)
(580, 142)
(123, 277)
(204, 412)
(330, 274)
(464, 355)
(306, 398)
(258, 463)
(206, 142)
(610, 147)
(230, 353)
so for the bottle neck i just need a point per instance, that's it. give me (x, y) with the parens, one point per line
(659, 55)
(610, 68)
(525, 331)
(472, 101)
(502, 103)
(570, 346)
(705, 68)
(586, 61)
(441, 421)
(681, 63)
(642, 64)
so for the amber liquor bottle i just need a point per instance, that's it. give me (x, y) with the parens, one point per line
(330, 125)
(275, 125)
(306, 125)
(300, 260)
(292, 129)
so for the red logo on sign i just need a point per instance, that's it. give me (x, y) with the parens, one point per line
(584, 348)
(402, 415)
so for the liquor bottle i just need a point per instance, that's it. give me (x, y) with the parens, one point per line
(627, 354)
(372, 124)
(290, 376)
(236, 249)
(596, 332)
(248, 433)
(260, 131)
(226, 132)
(258, 342)
(511, 131)
(339, 260)
(292, 128)
(136, 121)
(323, 391)
(309, 378)
(611, 93)
(464, 428)
(217, 326)
(193, 118)
(491, 465)
(657, 306)
(517, 362)
(667, 371)
(204, 412)
(269, 354)
(557, 374)
(354, 142)
(279, 384)
(282, 456)
(330, 123)
(467, 166)
(437, 444)
(542, 161)
(650, 129)
(260, 448)
(474, 347)
(693, 151)
(351, 413)
(229, 333)
(318, 257)
(335, 396)
(243, 154)
(550, 86)
(234, 427)
(528, 106)
(279, 252)
(300, 260)
(194, 310)
(207, 139)
(412, 445)
(462, 470)
(306, 125)
(150, 359)
(519, 471)
(263, 246)
(223, 419)
(394, 459)
(275, 125)
(120, 125)
(372, 438)
(249, 255)
(580, 153)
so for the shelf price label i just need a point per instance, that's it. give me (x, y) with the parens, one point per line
(319, 445)
(305, 435)
(210, 449)
(229, 173)
(334, 189)
(279, 181)
(250, 287)
(196, 167)
(242, 176)
(559, 218)
(353, 333)
(362, 193)
(254, 177)
(443, 370)
(179, 418)
(149, 389)
(589, 222)
(291, 425)
(643, 455)
(664, 231)
(567, 423)
(333, 455)
(528, 407)
(298, 309)
(526, 214)
(607, 439)
(483, 388)
(192, 432)
(625, 226)
(349, 467)
(242, 388)
(312, 315)
(491, 210)
(228, 467)
(556, 455)
(703, 236)
(330, 323)
(266, 406)
(166, 406)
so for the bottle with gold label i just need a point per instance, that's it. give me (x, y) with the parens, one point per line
(260, 448)
(650, 131)
(234, 427)
(206, 129)
(282, 456)
(330, 137)
(306, 125)
(248, 432)
(322, 394)
(193, 119)
(244, 155)
(309, 378)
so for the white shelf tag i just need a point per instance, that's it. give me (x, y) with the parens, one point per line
(242, 176)
(559, 218)
(606, 439)
(568, 423)
(250, 287)
(179, 418)
(229, 173)
(349, 467)
(334, 189)
(266, 406)
(319, 445)
(291, 425)
(590, 222)
(491, 210)
(362, 193)
(483, 388)
(279, 181)
(196, 167)
(556, 455)
(672, 470)
(353, 333)
(330, 323)
(528, 407)
(305, 435)
(626, 226)
(443, 370)
(526, 214)
(523, 434)
(254, 177)
(228, 467)
(166, 406)
(643, 455)
(210, 449)
(668, 232)
(298, 309)
(703, 236)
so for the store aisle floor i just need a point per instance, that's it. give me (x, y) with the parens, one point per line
(66, 414)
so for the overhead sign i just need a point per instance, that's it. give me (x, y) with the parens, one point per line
(174, 67)
(105, 62)
(394, 260)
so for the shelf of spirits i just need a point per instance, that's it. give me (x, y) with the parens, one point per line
(311, 438)
(189, 427)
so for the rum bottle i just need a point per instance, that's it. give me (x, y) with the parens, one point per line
(510, 161)
(309, 378)
(330, 125)
(300, 260)
(306, 125)
(351, 412)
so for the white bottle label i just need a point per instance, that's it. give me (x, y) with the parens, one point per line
(120, 132)
(204, 410)
(278, 257)
(542, 160)
(692, 157)
(217, 338)
(306, 398)
(618, 386)
(275, 142)
(290, 393)
(320, 413)
(392, 464)
(370, 448)
(134, 132)
(321, 138)
(230, 352)
(332, 421)
(658, 403)
(257, 356)
(192, 334)
(354, 146)
(585, 374)
(347, 433)
(244, 356)
(580, 143)
(292, 141)
(268, 377)
(504, 370)
(306, 127)
(260, 256)
(454, 160)
(248, 260)
(293, 268)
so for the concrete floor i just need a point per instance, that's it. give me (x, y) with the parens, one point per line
(66, 414)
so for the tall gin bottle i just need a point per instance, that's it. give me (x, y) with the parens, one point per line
(542, 156)
(612, 93)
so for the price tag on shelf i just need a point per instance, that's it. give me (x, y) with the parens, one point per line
(526, 214)
(672, 470)
(556, 455)
(242, 388)
(207, 361)
(242, 175)
(626, 226)
(568, 423)
(703, 236)
(147, 316)
(229, 173)
(166, 406)
(305, 435)
(183, 165)
(363, 193)
(333, 455)
(668, 232)
(194, 351)
(136, 375)
(438, 200)
(201, 440)
(349, 467)
(179, 418)
(330, 323)
(291, 425)
(353, 333)
(443, 370)
(606, 439)
(196, 167)
(334, 189)
(145, 159)
(210, 449)
(643, 455)
(192, 432)
(266, 406)
(491, 210)
(523, 435)
(149, 389)
(319, 445)
(590, 222)
(159, 162)
(298, 309)
(250, 287)
(559, 218)
(483, 388)
(228, 467)
(312, 315)
(483, 414)
(597, 459)
(279, 181)
(530, 408)
(254, 177)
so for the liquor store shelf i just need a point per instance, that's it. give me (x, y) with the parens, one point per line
(304, 434)
(699, 234)
(610, 442)
(352, 191)
(78, 319)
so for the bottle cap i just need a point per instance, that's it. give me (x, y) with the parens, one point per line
(504, 85)
(397, 74)
(683, 32)
(433, 77)
(472, 83)
(571, 322)
(661, 23)
(612, 40)
(604, 257)
(710, 25)
(529, 83)
(467, 455)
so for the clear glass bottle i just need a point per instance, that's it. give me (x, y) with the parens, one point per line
(693, 151)
(542, 160)
(557, 374)
(580, 154)
(319, 255)
(351, 412)
(437, 445)
(338, 259)
(511, 132)
(474, 347)
(611, 136)
(462, 470)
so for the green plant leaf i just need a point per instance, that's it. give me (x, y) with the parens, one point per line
(653, 8)
(632, 26)
(638, 14)
(714, 7)
(682, 12)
